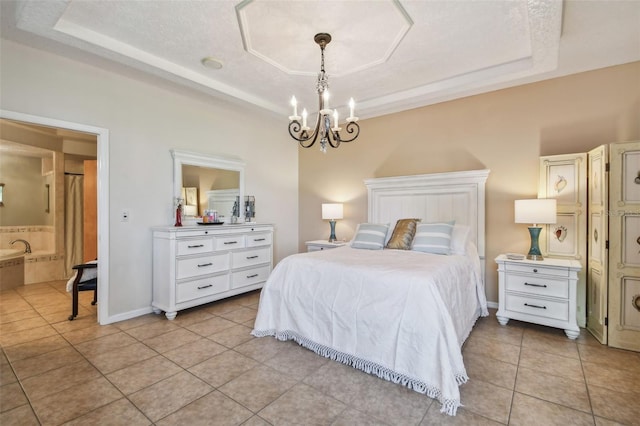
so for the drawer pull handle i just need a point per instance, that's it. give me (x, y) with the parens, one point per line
(252, 276)
(205, 264)
(535, 270)
(535, 306)
(536, 285)
(231, 242)
(205, 286)
(259, 239)
(196, 246)
(252, 257)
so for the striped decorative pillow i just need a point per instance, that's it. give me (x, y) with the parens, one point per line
(370, 236)
(433, 237)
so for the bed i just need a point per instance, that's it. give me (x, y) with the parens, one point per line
(402, 315)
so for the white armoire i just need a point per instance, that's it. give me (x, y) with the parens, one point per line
(598, 196)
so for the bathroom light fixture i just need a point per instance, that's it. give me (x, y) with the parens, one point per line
(323, 129)
(332, 212)
(536, 211)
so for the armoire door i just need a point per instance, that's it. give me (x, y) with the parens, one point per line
(564, 177)
(624, 252)
(597, 239)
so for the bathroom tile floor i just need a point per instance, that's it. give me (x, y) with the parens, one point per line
(205, 368)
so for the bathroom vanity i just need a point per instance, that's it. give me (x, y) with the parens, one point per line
(194, 265)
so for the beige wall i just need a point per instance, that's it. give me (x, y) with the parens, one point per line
(504, 131)
(145, 121)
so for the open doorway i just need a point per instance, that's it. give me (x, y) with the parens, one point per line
(101, 137)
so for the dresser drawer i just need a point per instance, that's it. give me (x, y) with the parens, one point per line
(250, 276)
(558, 310)
(229, 243)
(245, 258)
(201, 288)
(537, 270)
(192, 267)
(196, 246)
(537, 285)
(256, 240)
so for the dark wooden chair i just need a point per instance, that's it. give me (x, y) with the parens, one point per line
(80, 284)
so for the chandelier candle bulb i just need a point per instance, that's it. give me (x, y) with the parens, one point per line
(352, 106)
(325, 103)
(304, 119)
(335, 120)
(295, 115)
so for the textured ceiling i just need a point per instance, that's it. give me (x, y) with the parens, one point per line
(388, 55)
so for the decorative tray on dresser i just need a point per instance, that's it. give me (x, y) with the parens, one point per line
(541, 292)
(193, 265)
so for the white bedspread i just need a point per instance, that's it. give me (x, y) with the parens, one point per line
(401, 315)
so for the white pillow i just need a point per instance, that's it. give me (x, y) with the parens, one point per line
(460, 237)
(433, 237)
(370, 236)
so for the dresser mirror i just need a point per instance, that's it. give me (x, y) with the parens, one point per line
(203, 176)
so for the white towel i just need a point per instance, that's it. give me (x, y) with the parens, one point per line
(88, 274)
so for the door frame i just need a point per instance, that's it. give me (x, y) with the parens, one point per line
(102, 135)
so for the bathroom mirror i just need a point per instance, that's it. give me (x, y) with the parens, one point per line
(207, 173)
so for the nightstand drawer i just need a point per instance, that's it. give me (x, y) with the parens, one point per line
(535, 269)
(537, 285)
(558, 310)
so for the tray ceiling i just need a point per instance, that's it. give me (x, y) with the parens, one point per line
(388, 55)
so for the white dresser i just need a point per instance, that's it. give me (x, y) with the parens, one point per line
(541, 292)
(193, 265)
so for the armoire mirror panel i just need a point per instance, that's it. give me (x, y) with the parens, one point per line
(197, 176)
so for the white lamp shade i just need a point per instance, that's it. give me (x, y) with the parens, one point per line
(332, 211)
(539, 210)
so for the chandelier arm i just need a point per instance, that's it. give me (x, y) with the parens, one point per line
(294, 127)
(314, 135)
(334, 138)
(352, 127)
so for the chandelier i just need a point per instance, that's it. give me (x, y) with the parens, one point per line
(323, 129)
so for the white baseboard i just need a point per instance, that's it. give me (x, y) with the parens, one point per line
(492, 305)
(127, 315)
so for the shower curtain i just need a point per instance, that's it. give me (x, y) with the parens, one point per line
(73, 222)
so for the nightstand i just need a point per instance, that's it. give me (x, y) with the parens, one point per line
(541, 292)
(323, 245)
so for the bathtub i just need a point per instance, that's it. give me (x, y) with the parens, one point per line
(11, 268)
(9, 253)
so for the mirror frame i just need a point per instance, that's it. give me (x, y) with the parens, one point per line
(210, 161)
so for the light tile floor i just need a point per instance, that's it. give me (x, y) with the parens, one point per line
(205, 368)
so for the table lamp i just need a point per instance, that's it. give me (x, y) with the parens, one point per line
(332, 212)
(536, 211)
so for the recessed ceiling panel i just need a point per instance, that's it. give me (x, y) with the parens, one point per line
(364, 33)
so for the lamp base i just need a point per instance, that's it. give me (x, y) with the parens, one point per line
(535, 257)
(534, 251)
(332, 237)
